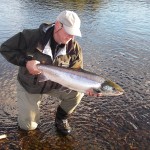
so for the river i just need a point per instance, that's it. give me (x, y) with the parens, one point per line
(116, 44)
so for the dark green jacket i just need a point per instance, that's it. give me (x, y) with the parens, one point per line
(30, 43)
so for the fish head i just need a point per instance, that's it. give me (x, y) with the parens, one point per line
(109, 88)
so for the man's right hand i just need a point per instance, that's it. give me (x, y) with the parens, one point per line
(32, 68)
(90, 92)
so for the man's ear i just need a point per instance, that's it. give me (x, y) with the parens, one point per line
(58, 25)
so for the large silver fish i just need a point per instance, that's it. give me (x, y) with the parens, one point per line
(79, 80)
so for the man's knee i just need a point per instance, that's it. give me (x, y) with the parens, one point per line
(27, 125)
(70, 104)
(74, 95)
(79, 96)
(77, 99)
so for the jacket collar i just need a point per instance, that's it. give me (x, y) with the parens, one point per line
(44, 45)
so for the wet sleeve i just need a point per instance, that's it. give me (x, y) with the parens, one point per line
(14, 50)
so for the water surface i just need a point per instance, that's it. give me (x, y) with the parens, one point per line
(116, 44)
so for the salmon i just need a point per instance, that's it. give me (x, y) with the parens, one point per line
(79, 80)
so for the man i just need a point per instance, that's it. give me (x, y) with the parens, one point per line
(50, 44)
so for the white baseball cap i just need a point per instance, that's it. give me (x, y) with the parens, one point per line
(71, 22)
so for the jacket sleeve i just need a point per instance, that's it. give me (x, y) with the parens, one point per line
(14, 50)
(76, 56)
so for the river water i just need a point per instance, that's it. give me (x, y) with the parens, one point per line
(116, 44)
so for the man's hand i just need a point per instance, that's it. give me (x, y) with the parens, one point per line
(90, 92)
(32, 68)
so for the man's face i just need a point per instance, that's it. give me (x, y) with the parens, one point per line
(62, 36)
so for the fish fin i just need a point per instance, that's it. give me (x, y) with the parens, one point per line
(42, 78)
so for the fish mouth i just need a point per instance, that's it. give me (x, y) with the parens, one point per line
(117, 93)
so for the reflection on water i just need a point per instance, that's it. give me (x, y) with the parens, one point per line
(116, 35)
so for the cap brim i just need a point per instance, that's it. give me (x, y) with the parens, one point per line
(73, 31)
